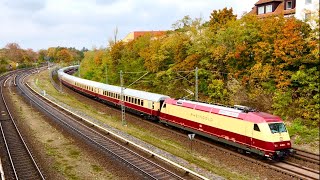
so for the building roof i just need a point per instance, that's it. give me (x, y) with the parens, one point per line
(278, 11)
(135, 34)
(266, 1)
(153, 33)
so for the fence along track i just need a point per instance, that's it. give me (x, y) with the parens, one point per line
(23, 165)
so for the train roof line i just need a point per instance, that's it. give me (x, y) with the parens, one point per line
(116, 89)
(235, 108)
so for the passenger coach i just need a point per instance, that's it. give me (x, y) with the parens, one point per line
(139, 102)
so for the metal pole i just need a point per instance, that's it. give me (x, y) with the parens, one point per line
(123, 117)
(106, 74)
(196, 88)
(79, 68)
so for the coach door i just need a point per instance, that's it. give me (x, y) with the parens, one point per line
(161, 103)
(249, 133)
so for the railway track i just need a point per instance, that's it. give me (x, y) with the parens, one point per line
(297, 170)
(288, 168)
(306, 156)
(131, 159)
(18, 161)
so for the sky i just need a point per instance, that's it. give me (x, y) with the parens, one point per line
(40, 24)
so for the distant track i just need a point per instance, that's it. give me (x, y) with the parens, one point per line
(138, 163)
(19, 163)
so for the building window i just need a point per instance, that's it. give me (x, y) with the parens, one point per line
(261, 10)
(307, 16)
(269, 8)
(308, 1)
(289, 5)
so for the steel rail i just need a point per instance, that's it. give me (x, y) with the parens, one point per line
(96, 142)
(16, 173)
(266, 164)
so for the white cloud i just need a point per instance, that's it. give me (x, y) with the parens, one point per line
(77, 23)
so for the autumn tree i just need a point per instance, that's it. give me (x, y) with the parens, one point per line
(14, 52)
(64, 56)
(219, 18)
(42, 54)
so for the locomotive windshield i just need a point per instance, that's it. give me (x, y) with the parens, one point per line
(277, 127)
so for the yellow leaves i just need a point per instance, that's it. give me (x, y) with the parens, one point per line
(64, 56)
(98, 57)
(263, 72)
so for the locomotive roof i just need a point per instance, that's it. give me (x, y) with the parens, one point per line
(240, 112)
(116, 89)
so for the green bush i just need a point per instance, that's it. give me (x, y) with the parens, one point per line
(301, 133)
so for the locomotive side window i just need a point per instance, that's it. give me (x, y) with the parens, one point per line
(256, 127)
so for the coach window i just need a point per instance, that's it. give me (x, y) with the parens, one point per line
(256, 127)
(141, 102)
(138, 101)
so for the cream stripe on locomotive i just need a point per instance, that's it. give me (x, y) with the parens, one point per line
(234, 125)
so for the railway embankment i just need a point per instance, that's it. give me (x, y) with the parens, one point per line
(230, 168)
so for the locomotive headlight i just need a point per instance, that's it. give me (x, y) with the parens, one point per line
(275, 145)
(288, 144)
